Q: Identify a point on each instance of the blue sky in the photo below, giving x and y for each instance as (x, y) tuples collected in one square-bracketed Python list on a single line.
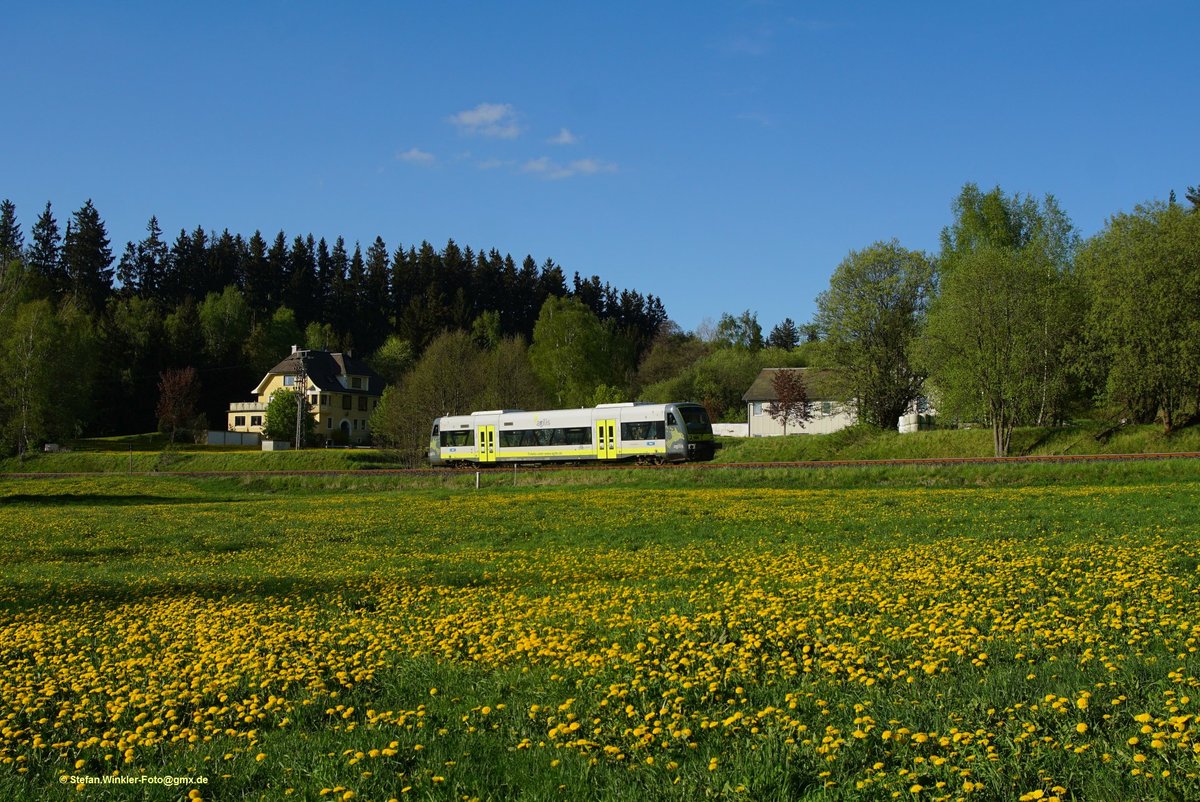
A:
[(721, 155)]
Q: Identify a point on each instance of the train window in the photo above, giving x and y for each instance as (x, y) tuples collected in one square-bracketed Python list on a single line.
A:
[(696, 419), (671, 419), (462, 437), (435, 430), (643, 430), (525, 438)]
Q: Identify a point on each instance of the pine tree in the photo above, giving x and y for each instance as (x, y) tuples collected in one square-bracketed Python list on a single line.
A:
[(12, 241), (87, 258), (255, 280), (785, 335), (143, 266), (44, 256)]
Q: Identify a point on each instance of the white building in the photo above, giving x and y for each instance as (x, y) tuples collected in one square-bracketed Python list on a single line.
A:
[(828, 415)]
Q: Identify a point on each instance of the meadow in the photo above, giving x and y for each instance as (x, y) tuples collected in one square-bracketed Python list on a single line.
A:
[(1008, 632)]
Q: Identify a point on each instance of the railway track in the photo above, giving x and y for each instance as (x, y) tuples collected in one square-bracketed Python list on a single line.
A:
[(494, 468)]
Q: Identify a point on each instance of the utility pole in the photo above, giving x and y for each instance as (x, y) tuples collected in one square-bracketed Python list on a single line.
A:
[(301, 399)]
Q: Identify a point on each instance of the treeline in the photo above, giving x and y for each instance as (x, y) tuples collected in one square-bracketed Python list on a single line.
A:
[(1018, 321), (89, 335)]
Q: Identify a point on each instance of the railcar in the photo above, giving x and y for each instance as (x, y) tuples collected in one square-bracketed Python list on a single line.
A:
[(639, 431)]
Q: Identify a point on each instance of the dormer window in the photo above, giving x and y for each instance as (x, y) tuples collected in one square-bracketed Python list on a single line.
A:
[(289, 381), (356, 383)]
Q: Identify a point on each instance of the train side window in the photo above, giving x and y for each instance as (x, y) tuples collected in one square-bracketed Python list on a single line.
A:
[(461, 437), (671, 419)]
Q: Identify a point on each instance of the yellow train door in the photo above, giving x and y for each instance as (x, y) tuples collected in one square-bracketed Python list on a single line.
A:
[(486, 437), (606, 439)]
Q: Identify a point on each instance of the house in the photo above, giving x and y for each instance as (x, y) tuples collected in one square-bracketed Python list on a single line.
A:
[(828, 414), (342, 393)]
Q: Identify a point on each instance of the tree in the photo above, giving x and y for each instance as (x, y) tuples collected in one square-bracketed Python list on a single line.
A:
[(12, 241), (998, 336), (869, 319), (785, 335), (87, 258), (48, 372), (281, 419), (44, 256), (791, 399), (570, 351), (225, 322), (742, 331), (392, 360), (1143, 276), (142, 270), (405, 414), (271, 341), (178, 395), (1193, 196)]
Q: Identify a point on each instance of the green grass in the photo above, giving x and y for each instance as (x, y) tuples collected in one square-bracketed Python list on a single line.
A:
[(777, 615), (861, 443)]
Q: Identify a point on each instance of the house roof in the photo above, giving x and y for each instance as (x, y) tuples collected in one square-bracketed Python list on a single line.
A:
[(818, 383), (323, 369)]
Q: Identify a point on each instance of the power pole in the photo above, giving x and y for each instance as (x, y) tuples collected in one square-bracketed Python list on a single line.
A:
[(301, 400)]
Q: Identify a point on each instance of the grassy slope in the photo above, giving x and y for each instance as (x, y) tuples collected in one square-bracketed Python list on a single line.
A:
[(860, 443)]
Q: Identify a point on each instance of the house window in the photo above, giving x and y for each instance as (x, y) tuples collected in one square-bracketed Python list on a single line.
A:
[(757, 408), (375, 403), (312, 400), (239, 420), (826, 407), (356, 383), (329, 423), (256, 420), (324, 399), (346, 402), (289, 381), (356, 424), (362, 403)]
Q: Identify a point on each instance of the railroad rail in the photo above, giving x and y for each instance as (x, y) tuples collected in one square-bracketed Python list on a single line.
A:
[(803, 464)]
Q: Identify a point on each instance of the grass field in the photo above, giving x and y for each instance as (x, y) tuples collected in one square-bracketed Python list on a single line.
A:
[(1008, 632)]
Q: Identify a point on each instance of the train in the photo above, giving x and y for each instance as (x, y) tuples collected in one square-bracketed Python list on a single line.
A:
[(631, 431)]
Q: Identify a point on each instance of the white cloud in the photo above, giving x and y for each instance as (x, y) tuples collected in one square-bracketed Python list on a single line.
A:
[(497, 120), (564, 137), (547, 168), (416, 156)]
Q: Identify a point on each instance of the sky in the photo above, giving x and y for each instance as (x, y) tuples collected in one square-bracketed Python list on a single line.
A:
[(723, 156)]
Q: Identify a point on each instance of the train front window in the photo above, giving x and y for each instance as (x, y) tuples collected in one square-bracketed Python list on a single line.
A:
[(696, 419)]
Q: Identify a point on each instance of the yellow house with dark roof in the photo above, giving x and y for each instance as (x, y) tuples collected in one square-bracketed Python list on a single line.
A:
[(342, 393)]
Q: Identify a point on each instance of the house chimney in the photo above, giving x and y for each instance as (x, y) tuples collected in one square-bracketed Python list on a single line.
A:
[(295, 348)]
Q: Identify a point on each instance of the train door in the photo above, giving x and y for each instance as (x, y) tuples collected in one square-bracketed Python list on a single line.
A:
[(606, 440), (485, 438)]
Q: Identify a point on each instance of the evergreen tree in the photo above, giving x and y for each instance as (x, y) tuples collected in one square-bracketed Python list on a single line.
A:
[(785, 335), (87, 258), (12, 241), (302, 281), (277, 270), (44, 257), (143, 267), (340, 308), (373, 312), (255, 280)]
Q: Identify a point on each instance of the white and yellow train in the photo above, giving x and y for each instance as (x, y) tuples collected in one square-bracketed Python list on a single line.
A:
[(630, 431)]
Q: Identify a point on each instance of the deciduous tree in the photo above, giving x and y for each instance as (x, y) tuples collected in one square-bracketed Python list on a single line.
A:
[(869, 319), (178, 396), (791, 399)]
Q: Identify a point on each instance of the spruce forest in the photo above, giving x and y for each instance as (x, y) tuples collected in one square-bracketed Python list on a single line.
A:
[(90, 334)]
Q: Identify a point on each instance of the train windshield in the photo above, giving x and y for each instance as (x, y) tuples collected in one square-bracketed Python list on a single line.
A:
[(696, 418)]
